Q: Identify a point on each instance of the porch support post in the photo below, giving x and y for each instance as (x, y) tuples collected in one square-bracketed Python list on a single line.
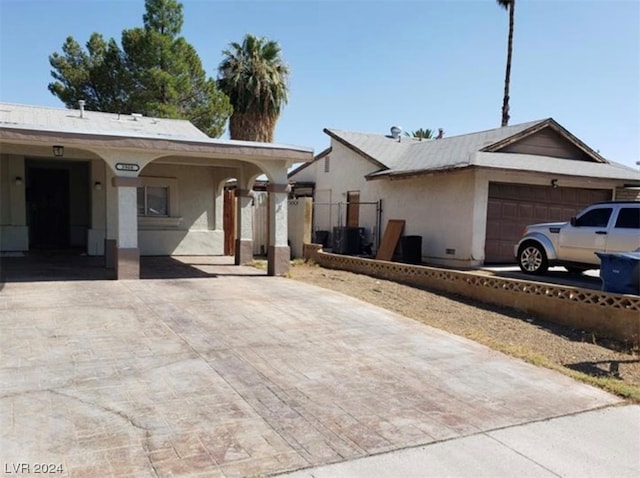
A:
[(244, 232), (279, 253), (127, 254)]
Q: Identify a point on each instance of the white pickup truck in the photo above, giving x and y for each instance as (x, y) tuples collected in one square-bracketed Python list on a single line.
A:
[(603, 227)]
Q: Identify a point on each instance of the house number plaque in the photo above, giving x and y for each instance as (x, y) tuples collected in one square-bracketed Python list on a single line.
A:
[(127, 167)]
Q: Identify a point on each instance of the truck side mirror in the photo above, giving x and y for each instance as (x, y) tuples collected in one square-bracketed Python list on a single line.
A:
[(573, 221)]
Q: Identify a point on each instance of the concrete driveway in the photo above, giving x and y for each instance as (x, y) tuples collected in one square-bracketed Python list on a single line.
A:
[(235, 374)]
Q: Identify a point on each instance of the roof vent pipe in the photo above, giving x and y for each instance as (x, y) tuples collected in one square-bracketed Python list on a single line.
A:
[(81, 103), (396, 131)]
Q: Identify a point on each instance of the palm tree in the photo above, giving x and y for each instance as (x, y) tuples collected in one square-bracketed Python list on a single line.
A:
[(421, 133), (510, 6), (254, 77)]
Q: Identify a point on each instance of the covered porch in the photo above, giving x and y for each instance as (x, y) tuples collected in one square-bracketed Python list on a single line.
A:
[(121, 187)]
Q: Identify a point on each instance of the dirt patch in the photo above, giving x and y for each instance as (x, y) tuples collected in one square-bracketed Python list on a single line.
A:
[(607, 364)]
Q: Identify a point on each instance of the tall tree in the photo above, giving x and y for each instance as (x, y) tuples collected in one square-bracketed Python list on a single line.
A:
[(254, 76), (156, 73), (508, 5)]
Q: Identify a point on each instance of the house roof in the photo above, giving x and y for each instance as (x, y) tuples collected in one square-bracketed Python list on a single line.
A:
[(62, 120), (408, 153), (528, 162), (110, 126), (409, 156)]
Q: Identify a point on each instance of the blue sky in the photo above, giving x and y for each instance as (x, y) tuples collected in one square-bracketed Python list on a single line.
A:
[(367, 65)]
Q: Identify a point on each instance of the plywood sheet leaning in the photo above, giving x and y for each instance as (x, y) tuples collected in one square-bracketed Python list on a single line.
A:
[(390, 239)]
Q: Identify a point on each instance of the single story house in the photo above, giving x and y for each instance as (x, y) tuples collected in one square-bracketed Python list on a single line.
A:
[(123, 186), (467, 196)]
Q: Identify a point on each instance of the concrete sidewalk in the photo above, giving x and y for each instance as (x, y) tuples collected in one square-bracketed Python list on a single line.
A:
[(230, 374), (600, 443)]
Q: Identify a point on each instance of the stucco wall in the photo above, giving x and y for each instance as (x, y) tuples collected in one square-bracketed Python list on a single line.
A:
[(5, 185), (14, 235), (422, 202), (346, 173), (194, 232), (438, 207), (308, 174), (299, 224), (96, 233)]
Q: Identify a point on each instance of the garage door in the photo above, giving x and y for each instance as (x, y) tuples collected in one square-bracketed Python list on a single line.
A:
[(512, 206)]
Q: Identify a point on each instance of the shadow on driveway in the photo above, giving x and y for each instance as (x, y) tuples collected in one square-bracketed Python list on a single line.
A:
[(73, 266)]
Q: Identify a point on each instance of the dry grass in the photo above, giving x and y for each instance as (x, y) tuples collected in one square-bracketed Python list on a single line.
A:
[(604, 364)]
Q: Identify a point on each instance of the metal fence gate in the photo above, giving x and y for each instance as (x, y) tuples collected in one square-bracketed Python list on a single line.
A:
[(333, 225)]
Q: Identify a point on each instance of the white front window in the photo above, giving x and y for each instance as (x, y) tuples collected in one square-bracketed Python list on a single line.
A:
[(158, 202), (153, 201)]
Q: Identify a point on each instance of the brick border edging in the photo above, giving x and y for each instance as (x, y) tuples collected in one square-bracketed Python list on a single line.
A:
[(615, 316)]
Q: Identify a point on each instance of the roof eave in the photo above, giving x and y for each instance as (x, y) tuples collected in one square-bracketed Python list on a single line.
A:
[(391, 175), (558, 128), (209, 147)]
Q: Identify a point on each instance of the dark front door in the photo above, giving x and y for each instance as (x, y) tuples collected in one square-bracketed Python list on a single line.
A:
[(48, 205)]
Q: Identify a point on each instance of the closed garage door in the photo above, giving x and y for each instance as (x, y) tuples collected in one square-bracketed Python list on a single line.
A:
[(512, 206)]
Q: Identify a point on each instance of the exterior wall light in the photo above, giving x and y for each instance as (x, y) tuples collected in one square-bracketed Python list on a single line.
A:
[(18, 181), (97, 186), (554, 183), (58, 151)]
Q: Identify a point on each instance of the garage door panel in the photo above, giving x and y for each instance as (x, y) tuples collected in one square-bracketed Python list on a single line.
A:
[(557, 212), (541, 212), (525, 211), (513, 206), (494, 208), (509, 209), (540, 195), (570, 195)]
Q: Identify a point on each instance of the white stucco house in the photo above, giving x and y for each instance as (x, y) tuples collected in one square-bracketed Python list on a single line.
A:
[(467, 196), (123, 186)]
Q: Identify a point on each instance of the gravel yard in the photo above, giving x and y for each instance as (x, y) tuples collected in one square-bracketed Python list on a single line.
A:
[(576, 353)]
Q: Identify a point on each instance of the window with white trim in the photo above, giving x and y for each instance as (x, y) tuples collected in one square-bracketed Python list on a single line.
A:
[(153, 201), (157, 202)]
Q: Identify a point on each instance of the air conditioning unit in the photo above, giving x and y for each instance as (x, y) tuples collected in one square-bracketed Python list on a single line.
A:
[(347, 240)]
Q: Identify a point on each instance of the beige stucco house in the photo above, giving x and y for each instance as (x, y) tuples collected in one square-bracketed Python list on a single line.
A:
[(468, 196), (127, 185)]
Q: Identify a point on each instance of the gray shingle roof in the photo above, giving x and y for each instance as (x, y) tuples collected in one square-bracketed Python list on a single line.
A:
[(382, 149), (454, 150), (411, 156)]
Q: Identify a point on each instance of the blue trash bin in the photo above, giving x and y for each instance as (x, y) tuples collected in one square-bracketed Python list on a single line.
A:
[(620, 272)]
